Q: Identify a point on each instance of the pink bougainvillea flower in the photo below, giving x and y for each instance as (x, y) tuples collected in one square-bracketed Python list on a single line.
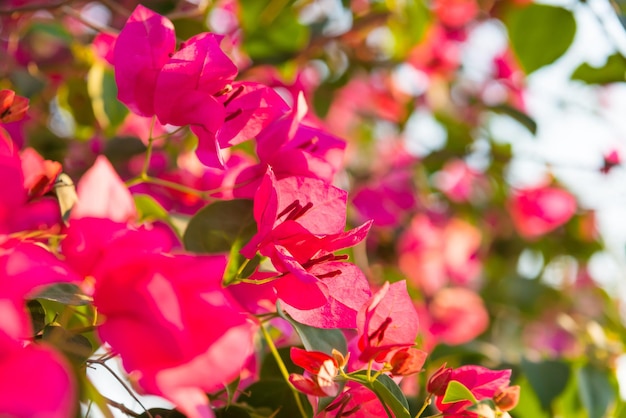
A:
[(142, 48), (433, 253), (37, 383), (250, 108), (388, 199), (292, 148), (453, 316), (439, 54), (197, 339), (537, 211), (103, 45), (387, 322), (24, 268), (102, 194), (12, 106), (482, 382), (187, 89), (300, 224), (322, 368)]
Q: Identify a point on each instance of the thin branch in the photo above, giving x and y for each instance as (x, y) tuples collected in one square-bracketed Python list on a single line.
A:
[(78, 16), (121, 407)]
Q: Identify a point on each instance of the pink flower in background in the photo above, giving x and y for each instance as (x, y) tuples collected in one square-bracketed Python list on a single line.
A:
[(455, 13), (458, 181), (433, 254), (37, 381), (537, 211), (179, 334), (611, 159), (453, 316)]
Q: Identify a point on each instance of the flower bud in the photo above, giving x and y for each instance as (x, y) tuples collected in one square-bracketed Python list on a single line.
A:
[(407, 361), (507, 398), (438, 382)]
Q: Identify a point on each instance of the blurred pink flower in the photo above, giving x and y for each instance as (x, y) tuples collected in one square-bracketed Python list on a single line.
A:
[(458, 181), (37, 381), (537, 211), (432, 254), (453, 316)]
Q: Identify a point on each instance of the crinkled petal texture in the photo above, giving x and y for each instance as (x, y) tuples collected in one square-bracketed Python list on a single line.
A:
[(178, 332), (36, 382), (103, 194), (388, 321), (142, 48)]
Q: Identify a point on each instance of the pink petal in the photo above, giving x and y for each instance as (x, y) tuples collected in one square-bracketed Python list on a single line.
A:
[(102, 194), (142, 48)]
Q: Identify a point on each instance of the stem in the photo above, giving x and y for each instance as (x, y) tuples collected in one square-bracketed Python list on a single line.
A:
[(146, 163), (121, 407), (427, 402), (283, 369), (78, 16)]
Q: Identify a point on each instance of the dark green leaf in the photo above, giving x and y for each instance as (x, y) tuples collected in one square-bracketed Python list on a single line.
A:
[(613, 71), (66, 293), (217, 226), (521, 117), (540, 34), (387, 391), (548, 379), (115, 110), (277, 397), (76, 347), (37, 315), (270, 369), (595, 389), (317, 339), (163, 413), (232, 412)]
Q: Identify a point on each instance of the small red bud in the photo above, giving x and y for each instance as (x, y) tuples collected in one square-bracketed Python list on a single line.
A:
[(438, 382), (407, 361), (507, 398)]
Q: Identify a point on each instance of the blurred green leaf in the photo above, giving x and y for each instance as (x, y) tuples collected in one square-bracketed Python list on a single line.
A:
[(37, 315), (613, 71), (595, 390), (529, 405), (539, 34), (148, 208), (548, 379), (272, 32)]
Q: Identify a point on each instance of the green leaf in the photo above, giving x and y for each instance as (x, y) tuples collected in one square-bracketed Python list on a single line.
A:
[(77, 348), (521, 117), (272, 32), (613, 71), (456, 392), (37, 315), (317, 339), (595, 390), (529, 405), (65, 293), (387, 391), (148, 208), (161, 412), (539, 34), (548, 379), (219, 225), (222, 227), (232, 412)]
